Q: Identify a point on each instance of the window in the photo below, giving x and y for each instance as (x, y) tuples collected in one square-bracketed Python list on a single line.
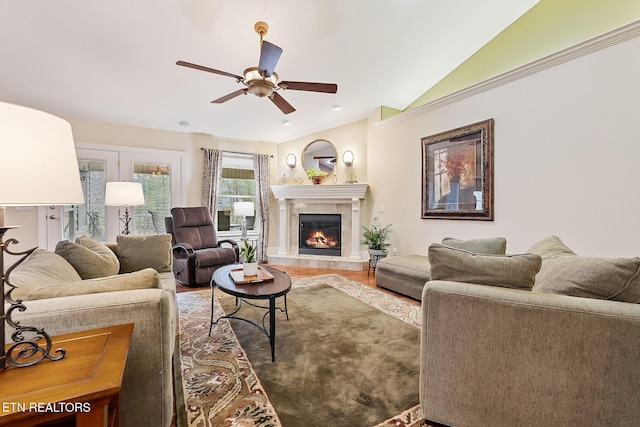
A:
[(237, 184), (156, 184)]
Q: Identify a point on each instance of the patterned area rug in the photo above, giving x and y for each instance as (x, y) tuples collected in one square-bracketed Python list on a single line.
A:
[(220, 386)]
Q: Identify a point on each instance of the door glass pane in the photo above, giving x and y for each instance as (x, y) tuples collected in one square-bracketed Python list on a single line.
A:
[(88, 219), (156, 184)]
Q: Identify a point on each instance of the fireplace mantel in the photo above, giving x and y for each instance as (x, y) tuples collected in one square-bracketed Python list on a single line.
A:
[(306, 192), (351, 194)]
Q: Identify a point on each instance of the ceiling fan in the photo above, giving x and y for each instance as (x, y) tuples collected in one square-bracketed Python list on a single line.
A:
[(262, 81)]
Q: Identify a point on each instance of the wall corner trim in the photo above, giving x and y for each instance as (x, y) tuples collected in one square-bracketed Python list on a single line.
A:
[(603, 41)]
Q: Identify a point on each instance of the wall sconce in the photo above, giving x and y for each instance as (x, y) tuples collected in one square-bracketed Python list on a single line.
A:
[(291, 160), (347, 158)]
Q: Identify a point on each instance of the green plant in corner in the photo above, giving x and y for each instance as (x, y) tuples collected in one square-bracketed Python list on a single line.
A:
[(248, 252), (376, 238)]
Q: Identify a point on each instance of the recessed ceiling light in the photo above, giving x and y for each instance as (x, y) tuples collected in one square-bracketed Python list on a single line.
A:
[(336, 107), (184, 123), (285, 122)]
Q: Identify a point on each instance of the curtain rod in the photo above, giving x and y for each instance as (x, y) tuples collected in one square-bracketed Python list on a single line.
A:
[(236, 152)]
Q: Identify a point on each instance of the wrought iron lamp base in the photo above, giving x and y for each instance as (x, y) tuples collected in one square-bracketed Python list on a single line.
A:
[(30, 344)]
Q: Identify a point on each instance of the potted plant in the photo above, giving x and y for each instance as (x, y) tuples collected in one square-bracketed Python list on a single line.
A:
[(376, 239), (316, 175), (249, 261)]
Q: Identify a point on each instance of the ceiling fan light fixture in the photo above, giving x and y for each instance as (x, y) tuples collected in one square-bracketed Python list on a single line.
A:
[(258, 84)]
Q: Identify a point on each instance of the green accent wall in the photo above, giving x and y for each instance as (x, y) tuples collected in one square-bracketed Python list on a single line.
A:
[(548, 27)]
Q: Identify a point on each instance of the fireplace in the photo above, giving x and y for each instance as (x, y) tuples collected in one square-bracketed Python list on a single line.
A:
[(320, 234)]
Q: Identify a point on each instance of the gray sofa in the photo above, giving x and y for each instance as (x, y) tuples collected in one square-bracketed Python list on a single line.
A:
[(495, 353), (143, 293), (407, 274)]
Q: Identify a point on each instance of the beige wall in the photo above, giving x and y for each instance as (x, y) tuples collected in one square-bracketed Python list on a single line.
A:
[(566, 159), (352, 137)]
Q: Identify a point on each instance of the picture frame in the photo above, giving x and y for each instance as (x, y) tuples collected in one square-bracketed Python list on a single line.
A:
[(457, 173)]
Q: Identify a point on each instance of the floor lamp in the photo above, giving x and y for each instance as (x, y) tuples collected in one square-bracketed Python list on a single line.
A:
[(123, 193), (243, 209), (38, 166)]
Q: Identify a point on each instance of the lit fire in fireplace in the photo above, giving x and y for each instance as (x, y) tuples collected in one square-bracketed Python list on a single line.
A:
[(319, 240)]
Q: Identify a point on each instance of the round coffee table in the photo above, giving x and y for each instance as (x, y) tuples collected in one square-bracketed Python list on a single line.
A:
[(270, 290)]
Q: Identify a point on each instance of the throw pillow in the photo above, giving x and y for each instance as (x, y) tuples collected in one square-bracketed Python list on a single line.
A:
[(564, 272), (90, 258), (495, 245), (508, 271), (143, 279), (39, 269), (148, 251), (550, 247)]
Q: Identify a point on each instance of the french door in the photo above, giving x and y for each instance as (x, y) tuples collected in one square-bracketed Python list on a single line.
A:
[(159, 171)]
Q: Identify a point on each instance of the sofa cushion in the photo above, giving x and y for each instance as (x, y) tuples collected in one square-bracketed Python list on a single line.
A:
[(550, 247), (143, 279), (39, 269), (90, 258), (492, 245), (144, 251), (566, 273), (508, 271)]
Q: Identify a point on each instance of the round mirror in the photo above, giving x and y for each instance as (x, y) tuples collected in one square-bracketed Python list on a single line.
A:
[(319, 154)]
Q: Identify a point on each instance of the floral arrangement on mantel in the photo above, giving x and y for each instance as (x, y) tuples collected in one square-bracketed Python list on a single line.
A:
[(316, 175)]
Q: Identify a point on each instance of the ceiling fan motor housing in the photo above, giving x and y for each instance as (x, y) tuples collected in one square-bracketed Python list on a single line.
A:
[(258, 84)]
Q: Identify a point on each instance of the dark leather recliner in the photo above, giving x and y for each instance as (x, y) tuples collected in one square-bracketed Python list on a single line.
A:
[(197, 252)]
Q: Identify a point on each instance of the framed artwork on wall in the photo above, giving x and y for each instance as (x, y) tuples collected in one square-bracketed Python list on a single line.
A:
[(457, 173)]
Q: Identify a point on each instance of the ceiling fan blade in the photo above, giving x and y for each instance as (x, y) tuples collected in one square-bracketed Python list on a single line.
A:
[(269, 55), (281, 103), (310, 87), (230, 96), (207, 69)]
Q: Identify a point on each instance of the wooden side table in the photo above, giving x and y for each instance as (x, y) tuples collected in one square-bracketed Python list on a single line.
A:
[(84, 385)]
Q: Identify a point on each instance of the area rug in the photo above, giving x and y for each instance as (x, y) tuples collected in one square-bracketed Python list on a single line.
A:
[(220, 384)]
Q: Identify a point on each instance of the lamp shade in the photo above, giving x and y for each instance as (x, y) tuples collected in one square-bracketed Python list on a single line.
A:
[(123, 193), (291, 160), (38, 163), (348, 157), (243, 208)]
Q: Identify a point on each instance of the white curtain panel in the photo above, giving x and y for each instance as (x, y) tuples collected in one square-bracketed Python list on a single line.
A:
[(261, 171), (212, 171)]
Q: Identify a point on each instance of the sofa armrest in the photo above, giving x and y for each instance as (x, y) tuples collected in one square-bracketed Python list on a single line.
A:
[(147, 392), (503, 357)]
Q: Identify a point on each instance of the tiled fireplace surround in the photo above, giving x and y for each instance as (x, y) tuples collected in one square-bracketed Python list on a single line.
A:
[(344, 199)]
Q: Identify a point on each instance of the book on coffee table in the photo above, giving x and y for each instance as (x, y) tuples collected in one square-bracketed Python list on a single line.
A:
[(237, 274)]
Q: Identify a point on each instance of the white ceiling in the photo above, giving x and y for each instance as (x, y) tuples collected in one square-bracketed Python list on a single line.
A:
[(114, 61)]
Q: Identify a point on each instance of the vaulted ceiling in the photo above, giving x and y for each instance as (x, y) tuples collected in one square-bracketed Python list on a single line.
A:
[(115, 61)]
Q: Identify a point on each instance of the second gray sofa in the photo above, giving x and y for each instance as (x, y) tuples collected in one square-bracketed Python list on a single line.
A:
[(407, 274)]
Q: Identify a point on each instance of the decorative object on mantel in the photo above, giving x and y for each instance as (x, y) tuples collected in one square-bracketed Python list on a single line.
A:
[(316, 175), (376, 238), (249, 261), (457, 173), (37, 147)]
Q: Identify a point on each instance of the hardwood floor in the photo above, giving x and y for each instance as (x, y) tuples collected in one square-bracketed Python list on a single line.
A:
[(299, 272)]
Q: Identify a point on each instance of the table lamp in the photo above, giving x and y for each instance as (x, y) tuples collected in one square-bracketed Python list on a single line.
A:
[(38, 166), (123, 193), (243, 209)]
